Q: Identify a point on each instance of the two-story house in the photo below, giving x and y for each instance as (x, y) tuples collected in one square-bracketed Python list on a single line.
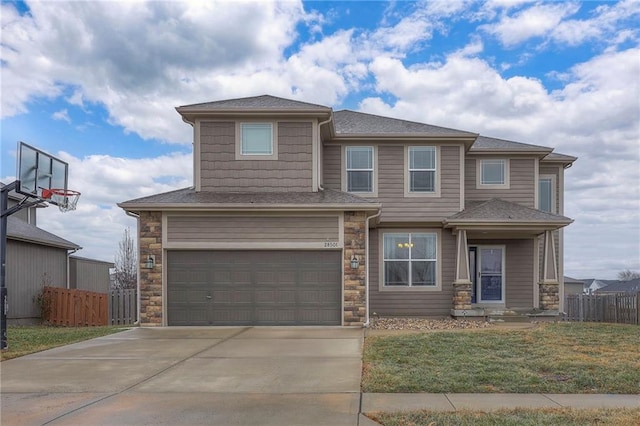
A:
[(301, 215)]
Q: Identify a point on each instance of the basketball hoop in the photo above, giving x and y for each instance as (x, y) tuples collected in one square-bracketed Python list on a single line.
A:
[(65, 199)]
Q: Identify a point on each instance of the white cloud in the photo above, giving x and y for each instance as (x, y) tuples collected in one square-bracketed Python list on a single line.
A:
[(535, 21), (62, 115)]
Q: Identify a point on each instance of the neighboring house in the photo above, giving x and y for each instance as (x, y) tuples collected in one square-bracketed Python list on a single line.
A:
[(89, 274), (37, 258), (615, 286), (592, 285), (301, 215), (573, 286)]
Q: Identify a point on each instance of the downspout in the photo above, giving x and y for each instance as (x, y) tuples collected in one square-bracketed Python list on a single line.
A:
[(69, 267), (366, 254), (319, 160), (137, 217)]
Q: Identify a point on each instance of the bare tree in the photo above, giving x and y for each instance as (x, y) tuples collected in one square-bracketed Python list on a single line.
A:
[(628, 275), (126, 264)]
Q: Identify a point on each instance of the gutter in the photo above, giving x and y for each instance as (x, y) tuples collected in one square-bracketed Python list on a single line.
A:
[(319, 160), (69, 267), (366, 255)]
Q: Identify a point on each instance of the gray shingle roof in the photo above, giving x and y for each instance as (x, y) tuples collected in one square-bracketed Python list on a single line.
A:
[(188, 196), (486, 143), (498, 210), (18, 229), (631, 286), (348, 122), (556, 156), (258, 103), (569, 280)]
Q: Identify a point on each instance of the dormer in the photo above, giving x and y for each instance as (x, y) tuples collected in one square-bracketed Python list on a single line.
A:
[(256, 144)]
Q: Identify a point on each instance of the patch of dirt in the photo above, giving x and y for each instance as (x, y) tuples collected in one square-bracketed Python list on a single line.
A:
[(426, 324)]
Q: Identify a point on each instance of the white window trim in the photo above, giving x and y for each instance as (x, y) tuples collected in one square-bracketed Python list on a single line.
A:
[(407, 175), (553, 191), (274, 139), (437, 287), (507, 174), (374, 183)]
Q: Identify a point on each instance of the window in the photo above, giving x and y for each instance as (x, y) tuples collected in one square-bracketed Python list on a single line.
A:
[(359, 169), (256, 139), (410, 259), (545, 194), (422, 169), (493, 173)]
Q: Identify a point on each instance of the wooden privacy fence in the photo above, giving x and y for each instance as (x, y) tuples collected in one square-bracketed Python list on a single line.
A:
[(617, 308), (74, 308), (123, 305)]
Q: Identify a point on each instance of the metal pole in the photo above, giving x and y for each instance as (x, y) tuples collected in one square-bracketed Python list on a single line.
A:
[(4, 205)]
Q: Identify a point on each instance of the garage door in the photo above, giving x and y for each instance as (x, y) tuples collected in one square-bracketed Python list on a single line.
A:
[(254, 287)]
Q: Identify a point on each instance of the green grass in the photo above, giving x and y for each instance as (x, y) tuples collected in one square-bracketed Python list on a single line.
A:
[(520, 417), (551, 358), (24, 340)]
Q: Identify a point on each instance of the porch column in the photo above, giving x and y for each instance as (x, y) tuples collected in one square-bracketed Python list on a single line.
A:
[(549, 285), (462, 284)]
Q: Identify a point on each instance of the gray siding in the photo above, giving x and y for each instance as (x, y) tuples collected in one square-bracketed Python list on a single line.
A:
[(391, 175), (88, 274), (28, 215), (518, 270), (221, 172), (331, 167), (252, 228), (522, 182), (412, 303), (29, 268)]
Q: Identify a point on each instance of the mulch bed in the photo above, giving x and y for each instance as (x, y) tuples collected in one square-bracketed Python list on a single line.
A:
[(426, 324)]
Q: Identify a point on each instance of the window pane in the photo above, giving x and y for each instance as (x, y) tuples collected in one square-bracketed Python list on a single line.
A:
[(423, 273), (422, 157), (257, 138), (422, 181), (396, 273), (544, 195), (359, 181), (359, 157), (396, 246), (424, 246), (493, 172)]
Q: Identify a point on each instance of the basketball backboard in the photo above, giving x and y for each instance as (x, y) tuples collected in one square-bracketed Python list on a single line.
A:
[(38, 171)]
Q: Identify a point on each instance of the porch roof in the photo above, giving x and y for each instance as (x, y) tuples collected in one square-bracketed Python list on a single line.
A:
[(500, 215)]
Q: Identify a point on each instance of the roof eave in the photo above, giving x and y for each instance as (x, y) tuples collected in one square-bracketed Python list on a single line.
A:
[(338, 137), (176, 207), (494, 151), (44, 243), (262, 112), (532, 225)]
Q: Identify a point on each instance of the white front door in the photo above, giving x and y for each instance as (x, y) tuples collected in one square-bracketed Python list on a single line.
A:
[(488, 273)]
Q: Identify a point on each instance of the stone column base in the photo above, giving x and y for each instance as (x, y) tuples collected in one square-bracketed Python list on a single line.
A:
[(462, 295), (549, 296)]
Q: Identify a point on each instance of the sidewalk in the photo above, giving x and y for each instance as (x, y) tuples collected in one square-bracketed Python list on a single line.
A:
[(391, 402)]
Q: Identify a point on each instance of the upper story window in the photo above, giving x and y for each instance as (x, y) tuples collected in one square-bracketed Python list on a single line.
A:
[(410, 260), (256, 141), (359, 164), (546, 193), (493, 173), (422, 169)]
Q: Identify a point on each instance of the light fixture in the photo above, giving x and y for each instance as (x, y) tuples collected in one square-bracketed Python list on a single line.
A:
[(354, 262), (151, 262)]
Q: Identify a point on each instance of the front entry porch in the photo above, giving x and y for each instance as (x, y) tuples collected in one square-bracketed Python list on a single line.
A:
[(506, 261)]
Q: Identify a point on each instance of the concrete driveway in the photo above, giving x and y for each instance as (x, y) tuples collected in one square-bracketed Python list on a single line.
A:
[(186, 376)]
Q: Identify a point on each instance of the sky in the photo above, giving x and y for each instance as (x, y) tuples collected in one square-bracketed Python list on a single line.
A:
[(96, 84)]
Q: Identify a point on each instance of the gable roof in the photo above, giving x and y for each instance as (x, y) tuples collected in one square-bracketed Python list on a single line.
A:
[(505, 214), (615, 286), (569, 280), (18, 229), (188, 198), (352, 123)]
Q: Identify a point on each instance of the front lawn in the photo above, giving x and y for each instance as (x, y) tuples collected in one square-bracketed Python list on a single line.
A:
[(521, 417), (550, 358), (24, 340)]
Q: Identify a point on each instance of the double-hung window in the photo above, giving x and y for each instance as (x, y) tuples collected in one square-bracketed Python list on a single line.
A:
[(422, 169), (359, 168), (256, 140), (545, 194), (493, 173), (410, 259)]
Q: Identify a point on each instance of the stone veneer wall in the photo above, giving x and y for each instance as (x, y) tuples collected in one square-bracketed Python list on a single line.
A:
[(150, 243), (354, 279), (549, 296)]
